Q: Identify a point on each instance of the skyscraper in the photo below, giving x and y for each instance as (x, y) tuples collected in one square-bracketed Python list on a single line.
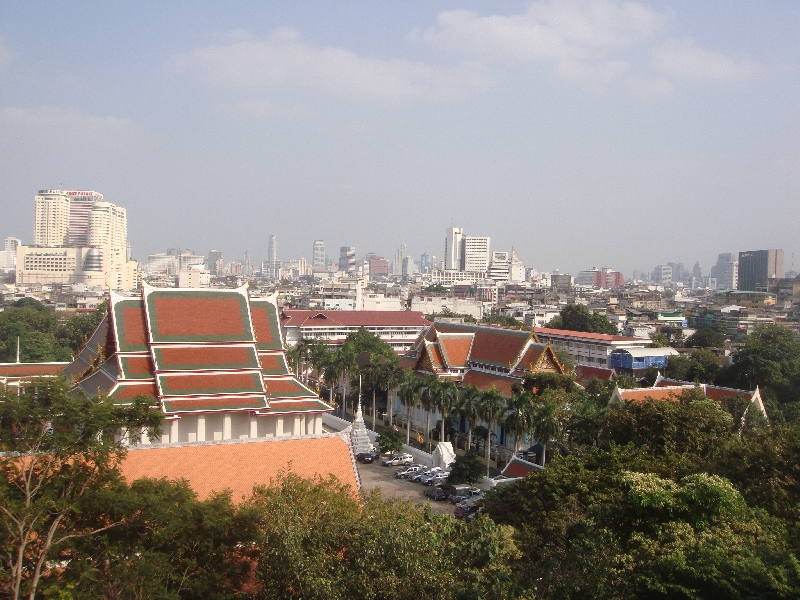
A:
[(318, 256), (272, 256), (10, 247), (399, 257), (51, 220), (213, 257), (475, 256), (80, 209), (757, 267), (453, 248), (347, 259)]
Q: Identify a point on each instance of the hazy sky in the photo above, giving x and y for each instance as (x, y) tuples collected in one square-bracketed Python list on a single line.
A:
[(582, 133)]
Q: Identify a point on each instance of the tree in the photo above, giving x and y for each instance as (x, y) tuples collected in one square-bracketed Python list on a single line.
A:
[(58, 451), (466, 469), (431, 387), (700, 366), (470, 402), (548, 418), (576, 317), (491, 406), (409, 391), (445, 399), (520, 415), (658, 340), (389, 439), (706, 338), (770, 359)]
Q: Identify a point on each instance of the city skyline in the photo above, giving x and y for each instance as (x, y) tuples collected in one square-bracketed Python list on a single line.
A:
[(580, 133)]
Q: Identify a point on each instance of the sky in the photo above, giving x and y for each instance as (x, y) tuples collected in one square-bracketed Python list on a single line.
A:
[(619, 134)]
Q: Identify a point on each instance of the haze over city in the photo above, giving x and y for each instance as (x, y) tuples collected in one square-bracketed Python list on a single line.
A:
[(582, 134)]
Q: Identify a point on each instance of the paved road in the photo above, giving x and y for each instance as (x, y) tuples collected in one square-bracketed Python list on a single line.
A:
[(376, 476)]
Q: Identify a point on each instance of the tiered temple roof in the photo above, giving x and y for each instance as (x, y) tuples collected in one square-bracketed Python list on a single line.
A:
[(195, 351), (481, 355)]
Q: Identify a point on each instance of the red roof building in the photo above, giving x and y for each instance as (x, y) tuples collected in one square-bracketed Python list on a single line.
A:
[(213, 360)]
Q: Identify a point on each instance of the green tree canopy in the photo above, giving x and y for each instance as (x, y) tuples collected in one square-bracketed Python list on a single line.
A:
[(706, 338), (576, 317)]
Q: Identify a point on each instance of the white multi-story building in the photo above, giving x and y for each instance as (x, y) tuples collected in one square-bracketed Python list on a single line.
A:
[(10, 248), (730, 276), (475, 254), (500, 267), (453, 248), (516, 271), (318, 259), (80, 209), (51, 219)]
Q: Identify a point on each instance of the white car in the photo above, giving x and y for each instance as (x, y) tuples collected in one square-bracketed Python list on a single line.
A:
[(397, 460)]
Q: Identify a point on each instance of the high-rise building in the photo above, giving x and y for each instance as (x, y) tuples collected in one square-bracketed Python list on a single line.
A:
[(718, 270), (757, 267), (500, 267), (213, 257), (517, 268), (318, 260), (453, 248), (409, 268), (378, 267), (247, 267), (272, 256), (399, 257), (51, 219), (475, 254), (425, 263), (80, 209), (730, 276), (347, 259), (662, 275), (10, 246)]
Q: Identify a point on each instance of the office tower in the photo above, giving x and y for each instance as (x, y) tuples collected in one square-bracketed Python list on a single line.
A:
[(51, 219), (424, 263), (378, 267), (730, 276), (272, 256), (10, 246), (453, 248), (475, 253), (80, 209), (662, 275), (517, 269), (757, 267), (318, 259), (247, 268), (408, 266), (499, 268), (697, 271), (718, 270), (399, 257), (213, 257), (347, 259)]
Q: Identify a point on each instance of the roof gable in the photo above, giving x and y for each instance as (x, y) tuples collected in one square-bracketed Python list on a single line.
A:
[(264, 314)]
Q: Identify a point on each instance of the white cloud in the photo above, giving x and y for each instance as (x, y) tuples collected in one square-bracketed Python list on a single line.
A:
[(682, 58), (577, 37), (284, 59), (71, 126)]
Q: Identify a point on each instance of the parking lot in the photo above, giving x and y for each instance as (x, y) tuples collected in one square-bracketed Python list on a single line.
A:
[(375, 476)]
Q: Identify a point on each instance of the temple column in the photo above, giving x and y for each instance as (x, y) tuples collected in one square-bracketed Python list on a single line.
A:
[(279, 426), (145, 435), (173, 431), (226, 426), (201, 428), (296, 426), (253, 427)]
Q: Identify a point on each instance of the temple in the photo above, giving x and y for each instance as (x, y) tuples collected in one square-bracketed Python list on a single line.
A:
[(212, 360), (480, 355)]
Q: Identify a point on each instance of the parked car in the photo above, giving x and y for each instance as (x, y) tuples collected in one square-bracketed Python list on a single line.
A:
[(417, 478), (459, 493), (466, 508), (365, 457), (436, 493), (397, 459), (437, 478), (408, 471)]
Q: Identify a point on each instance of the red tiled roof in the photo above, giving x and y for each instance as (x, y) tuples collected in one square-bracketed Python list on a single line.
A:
[(592, 336), (273, 364), (278, 406), (206, 403), (643, 394), (585, 373), (181, 316), (718, 393), (435, 356), (286, 388), (491, 345), (187, 358), (126, 391), (531, 355), (31, 369), (131, 324), (265, 324), (518, 468), (136, 367), (239, 466), (353, 318), (225, 382), (485, 381), (455, 350)]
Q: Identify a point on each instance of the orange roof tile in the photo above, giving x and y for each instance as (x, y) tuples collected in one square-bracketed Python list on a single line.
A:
[(126, 391), (225, 382), (519, 468), (186, 358), (591, 336), (585, 373), (31, 369), (485, 381), (455, 349), (643, 394), (239, 466)]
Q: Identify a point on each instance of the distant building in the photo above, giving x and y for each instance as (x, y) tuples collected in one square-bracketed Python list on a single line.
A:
[(516, 269), (10, 248), (453, 249), (662, 275), (318, 260), (399, 257), (425, 264), (214, 257), (561, 283), (500, 267), (475, 254), (347, 259), (757, 267), (378, 267)]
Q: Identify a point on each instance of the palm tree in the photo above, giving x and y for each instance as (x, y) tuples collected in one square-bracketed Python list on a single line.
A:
[(393, 378), (446, 401), (430, 390), (547, 419), (332, 373), (470, 400), (519, 419), (409, 391), (492, 404)]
